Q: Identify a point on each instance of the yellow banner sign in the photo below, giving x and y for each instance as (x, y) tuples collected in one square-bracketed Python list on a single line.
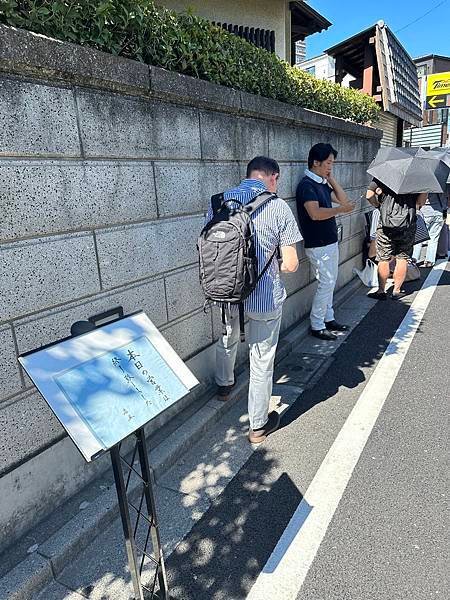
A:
[(438, 84)]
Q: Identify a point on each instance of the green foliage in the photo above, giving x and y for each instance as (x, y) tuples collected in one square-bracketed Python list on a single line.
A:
[(184, 43)]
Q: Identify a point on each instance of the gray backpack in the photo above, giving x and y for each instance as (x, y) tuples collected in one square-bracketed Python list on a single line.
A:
[(227, 254), (395, 212)]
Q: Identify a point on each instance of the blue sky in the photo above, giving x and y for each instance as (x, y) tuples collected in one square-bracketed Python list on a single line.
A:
[(430, 35)]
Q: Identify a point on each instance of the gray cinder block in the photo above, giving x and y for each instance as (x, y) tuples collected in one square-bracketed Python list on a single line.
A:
[(44, 272), (37, 120), (136, 251), (128, 127), (43, 197)]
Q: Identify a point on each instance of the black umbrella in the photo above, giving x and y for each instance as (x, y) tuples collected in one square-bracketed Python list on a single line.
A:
[(406, 171), (442, 164), (390, 153), (443, 154)]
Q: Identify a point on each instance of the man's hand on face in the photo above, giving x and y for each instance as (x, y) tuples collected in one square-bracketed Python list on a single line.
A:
[(332, 181)]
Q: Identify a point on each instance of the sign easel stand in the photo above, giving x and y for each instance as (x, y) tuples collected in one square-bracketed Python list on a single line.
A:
[(144, 513)]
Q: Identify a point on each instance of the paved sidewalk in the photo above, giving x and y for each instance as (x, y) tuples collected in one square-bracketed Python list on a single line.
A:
[(188, 490)]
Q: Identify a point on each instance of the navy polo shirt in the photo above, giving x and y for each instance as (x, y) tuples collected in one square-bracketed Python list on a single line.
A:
[(315, 233)]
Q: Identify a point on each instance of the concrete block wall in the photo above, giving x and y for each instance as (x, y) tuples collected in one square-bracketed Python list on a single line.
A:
[(106, 169)]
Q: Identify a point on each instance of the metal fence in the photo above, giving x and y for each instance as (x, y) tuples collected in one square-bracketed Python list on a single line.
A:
[(261, 38)]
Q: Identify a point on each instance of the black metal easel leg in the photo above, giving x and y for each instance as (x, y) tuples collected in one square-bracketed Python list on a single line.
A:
[(149, 480), (126, 522)]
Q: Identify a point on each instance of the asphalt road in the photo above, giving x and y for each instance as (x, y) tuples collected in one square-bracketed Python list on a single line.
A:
[(387, 537)]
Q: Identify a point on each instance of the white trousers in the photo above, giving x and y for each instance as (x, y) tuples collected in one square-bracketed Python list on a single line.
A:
[(434, 223), (325, 261), (263, 334)]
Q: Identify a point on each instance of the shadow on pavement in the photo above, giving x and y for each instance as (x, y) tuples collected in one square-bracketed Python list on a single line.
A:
[(220, 559), (363, 348), (227, 548)]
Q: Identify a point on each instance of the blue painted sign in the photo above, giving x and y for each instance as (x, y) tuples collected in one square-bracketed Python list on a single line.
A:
[(105, 384), (121, 389)]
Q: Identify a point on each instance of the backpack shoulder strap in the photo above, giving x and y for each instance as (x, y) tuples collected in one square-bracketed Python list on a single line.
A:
[(258, 201), (216, 203), (276, 252)]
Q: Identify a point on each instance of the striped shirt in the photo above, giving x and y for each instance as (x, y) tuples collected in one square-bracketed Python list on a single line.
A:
[(275, 226)]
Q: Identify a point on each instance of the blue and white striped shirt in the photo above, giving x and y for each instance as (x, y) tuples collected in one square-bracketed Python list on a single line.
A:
[(275, 225)]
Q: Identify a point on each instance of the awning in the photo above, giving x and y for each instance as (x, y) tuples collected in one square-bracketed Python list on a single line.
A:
[(306, 21)]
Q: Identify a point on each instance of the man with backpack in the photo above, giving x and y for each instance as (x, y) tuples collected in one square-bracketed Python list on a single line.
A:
[(395, 234), (249, 237)]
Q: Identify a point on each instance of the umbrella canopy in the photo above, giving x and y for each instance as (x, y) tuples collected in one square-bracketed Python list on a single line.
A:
[(444, 155), (407, 170), (390, 153)]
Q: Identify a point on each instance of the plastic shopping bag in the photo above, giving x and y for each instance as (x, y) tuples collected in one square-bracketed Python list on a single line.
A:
[(368, 275)]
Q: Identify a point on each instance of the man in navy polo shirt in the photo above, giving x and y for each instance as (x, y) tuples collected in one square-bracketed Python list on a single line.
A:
[(316, 193)]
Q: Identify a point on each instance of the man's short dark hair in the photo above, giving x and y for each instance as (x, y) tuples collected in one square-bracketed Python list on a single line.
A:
[(320, 152), (264, 164)]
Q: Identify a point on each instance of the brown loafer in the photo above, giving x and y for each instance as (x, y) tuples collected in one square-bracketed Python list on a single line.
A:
[(257, 436)]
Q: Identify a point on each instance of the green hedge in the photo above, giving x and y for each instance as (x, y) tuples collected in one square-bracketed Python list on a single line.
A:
[(184, 43)]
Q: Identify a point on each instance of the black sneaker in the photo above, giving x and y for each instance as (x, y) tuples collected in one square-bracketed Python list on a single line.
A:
[(323, 334), (335, 326), (257, 436), (224, 391), (377, 295), (398, 295)]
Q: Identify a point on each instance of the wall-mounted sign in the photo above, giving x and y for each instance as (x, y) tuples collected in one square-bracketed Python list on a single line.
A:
[(438, 91), (105, 384)]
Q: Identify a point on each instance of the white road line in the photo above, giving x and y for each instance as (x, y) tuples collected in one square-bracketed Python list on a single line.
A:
[(284, 573)]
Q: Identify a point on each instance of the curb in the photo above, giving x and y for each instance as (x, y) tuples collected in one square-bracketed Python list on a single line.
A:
[(33, 573)]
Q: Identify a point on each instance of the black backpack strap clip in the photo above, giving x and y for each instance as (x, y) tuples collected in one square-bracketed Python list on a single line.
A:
[(224, 319), (241, 321), (276, 252)]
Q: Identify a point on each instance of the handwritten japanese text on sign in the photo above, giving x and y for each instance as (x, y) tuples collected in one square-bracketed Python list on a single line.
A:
[(115, 393)]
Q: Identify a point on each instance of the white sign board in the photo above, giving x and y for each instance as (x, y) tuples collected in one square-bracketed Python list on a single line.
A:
[(105, 384)]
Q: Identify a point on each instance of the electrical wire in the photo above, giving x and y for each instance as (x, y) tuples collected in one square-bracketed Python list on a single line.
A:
[(422, 16)]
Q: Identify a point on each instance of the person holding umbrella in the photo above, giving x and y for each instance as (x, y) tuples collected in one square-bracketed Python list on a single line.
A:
[(395, 234), (401, 180)]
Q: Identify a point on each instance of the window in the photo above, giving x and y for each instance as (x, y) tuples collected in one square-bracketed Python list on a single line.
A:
[(311, 70)]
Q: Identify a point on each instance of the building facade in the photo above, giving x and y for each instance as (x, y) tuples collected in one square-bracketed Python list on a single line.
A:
[(435, 127), (286, 23), (300, 52), (382, 68), (324, 67)]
